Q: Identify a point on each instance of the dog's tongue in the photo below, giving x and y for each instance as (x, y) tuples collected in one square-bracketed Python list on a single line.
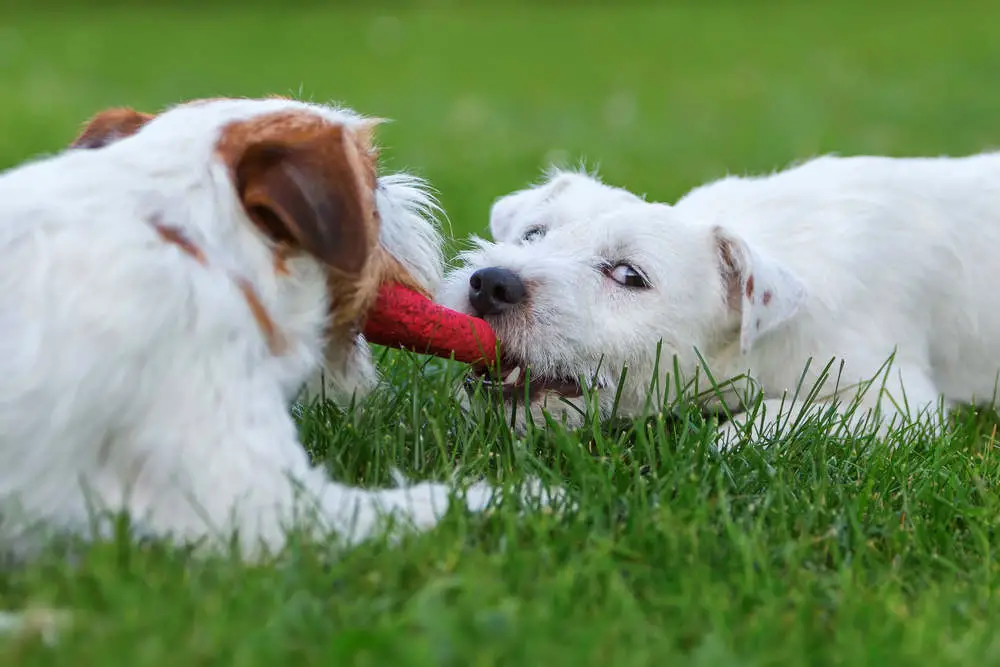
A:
[(406, 319)]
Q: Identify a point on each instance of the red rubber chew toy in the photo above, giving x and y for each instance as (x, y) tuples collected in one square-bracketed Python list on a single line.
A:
[(407, 319)]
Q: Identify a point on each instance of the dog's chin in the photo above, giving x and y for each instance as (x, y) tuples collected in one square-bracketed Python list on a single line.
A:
[(520, 390), (517, 380)]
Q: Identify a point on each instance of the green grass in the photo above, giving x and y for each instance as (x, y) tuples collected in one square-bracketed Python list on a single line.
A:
[(810, 552)]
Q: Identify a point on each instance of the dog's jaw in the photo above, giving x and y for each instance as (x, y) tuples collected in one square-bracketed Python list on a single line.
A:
[(564, 397)]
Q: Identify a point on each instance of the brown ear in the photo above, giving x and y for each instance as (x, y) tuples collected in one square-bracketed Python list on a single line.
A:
[(109, 126), (312, 190)]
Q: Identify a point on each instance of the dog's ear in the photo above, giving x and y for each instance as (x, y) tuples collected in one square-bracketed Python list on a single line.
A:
[(312, 189), (506, 209), (109, 126), (502, 213), (763, 291)]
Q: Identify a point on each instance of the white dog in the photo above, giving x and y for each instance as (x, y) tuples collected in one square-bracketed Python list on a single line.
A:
[(857, 261), (166, 288)]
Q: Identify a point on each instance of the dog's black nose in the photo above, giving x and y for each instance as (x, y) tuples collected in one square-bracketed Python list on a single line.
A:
[(493, 290)]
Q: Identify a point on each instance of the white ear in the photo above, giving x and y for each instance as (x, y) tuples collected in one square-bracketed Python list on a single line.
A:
[(502, 215), (766, 292), (509, 208)]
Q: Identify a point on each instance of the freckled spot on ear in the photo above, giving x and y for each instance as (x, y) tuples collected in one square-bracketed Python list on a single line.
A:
[(767, 297), (750, 287), (730, 273)]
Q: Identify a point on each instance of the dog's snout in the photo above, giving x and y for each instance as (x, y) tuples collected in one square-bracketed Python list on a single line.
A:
[(494, 290)]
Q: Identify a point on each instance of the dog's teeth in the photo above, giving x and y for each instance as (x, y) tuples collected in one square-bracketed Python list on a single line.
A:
[(513, 376)]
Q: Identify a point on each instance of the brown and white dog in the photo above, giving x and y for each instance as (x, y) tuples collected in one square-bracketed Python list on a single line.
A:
[(167, 287)]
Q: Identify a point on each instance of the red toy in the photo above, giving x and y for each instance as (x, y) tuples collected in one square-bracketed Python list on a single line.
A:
[(407, 319)]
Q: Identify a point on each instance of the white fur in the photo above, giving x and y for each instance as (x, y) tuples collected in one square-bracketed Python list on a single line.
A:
[(864, 259), (563, 197), (133, 378)]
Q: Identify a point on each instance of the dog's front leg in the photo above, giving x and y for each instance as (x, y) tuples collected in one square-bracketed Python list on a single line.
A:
[(235, 465), (261, 500), (361, 513)]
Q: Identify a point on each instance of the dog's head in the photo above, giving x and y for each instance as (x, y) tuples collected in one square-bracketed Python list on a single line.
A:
[(627, 292), (296, 208)]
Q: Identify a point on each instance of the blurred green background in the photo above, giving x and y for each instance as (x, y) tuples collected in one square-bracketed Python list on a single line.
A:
[(827, 556), (484, 95)]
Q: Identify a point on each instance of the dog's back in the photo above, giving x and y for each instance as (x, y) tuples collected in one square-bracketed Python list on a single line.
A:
[(897, 252)]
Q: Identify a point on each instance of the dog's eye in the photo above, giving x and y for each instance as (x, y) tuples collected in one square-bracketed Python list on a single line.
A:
[(627, 275), (533, 234)]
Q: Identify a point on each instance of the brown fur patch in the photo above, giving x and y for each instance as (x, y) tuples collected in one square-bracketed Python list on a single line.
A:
[(309, 186), (109, 126), (268, 328), (176, 236), (750, 287), (730, 273), (364, 136), (281, 255), (275, 342), (305, 183)]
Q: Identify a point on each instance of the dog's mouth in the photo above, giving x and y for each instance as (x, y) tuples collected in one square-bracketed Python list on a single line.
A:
[(514, 379)]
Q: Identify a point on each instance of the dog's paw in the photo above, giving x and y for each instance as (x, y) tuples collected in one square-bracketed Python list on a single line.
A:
[(422, 506), (419, 505), (533, 493)]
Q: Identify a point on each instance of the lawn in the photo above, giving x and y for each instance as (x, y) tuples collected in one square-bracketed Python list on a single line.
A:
[(809, 552)]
